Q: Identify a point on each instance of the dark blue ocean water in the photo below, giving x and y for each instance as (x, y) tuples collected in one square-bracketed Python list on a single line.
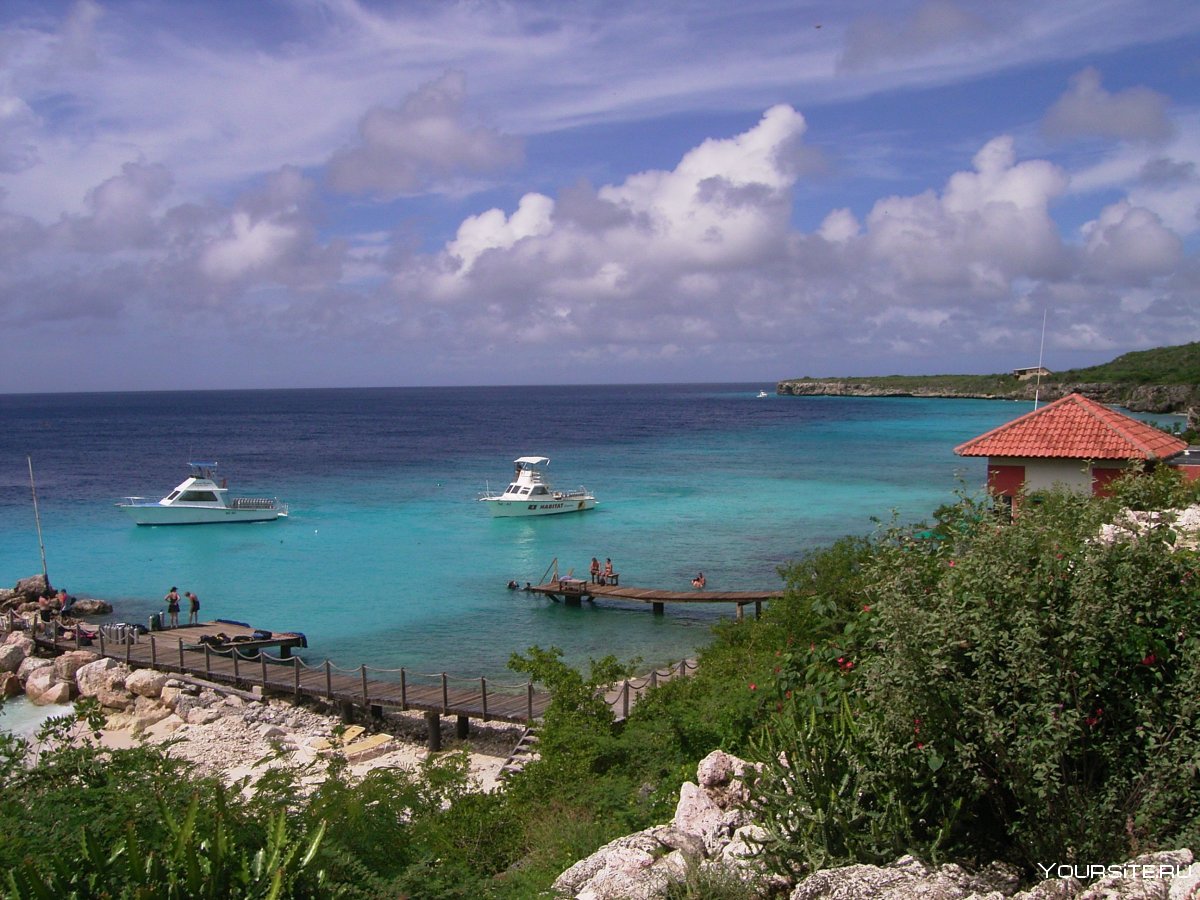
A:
[(386, 558)]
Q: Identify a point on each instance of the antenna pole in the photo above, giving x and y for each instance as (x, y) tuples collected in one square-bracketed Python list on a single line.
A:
[(1038, 385), (38, 518)]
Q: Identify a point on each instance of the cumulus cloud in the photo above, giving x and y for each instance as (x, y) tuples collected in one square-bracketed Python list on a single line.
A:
[(1130, 244), (1088, 110), (428, 137), (986, 228), (121, 211)]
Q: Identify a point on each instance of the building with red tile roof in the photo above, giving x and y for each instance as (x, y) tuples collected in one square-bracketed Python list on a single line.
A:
[(1073, 442)]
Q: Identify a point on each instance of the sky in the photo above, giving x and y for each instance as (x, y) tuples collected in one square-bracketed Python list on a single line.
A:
[(337, 193)]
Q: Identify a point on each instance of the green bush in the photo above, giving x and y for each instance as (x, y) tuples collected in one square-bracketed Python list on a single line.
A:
[(1022, 692)]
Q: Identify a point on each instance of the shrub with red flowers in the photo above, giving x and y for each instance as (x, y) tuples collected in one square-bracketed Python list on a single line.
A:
[(1034, 701)]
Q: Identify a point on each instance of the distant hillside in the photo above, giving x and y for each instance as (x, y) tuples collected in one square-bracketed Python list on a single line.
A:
[(1163, 365), (1163, 380)]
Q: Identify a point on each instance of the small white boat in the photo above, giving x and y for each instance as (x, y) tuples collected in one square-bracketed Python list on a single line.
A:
[(200, 500), (529, 494), (762, 394)]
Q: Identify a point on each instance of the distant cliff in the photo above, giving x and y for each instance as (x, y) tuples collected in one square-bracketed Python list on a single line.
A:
[(1161, 380), (1153, 398)]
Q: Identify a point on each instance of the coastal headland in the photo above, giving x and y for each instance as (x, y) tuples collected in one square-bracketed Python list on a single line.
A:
[(1162, 380)]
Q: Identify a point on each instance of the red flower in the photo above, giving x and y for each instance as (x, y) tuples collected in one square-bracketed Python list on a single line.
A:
[(1149, 659), (866, 607), (753, 686)]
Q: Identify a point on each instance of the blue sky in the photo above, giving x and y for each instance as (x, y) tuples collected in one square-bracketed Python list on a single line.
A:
[(295, 193)]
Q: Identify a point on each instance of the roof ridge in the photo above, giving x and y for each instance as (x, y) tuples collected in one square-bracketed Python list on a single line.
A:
[(1116, 425)]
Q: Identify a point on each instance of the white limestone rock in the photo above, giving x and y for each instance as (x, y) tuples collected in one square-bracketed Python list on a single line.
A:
[(66, 665), (146, 683), (31, 664), (11, 657), (20, 639), (104, 679), (57, 692)]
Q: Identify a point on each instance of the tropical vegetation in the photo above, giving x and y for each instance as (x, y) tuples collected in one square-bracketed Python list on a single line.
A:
[(964, 689)]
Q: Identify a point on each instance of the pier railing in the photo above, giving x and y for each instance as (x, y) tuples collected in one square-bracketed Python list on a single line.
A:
[(372, 688)]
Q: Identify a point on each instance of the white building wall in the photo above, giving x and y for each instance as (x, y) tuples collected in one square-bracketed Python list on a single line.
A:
[(1075, 474)]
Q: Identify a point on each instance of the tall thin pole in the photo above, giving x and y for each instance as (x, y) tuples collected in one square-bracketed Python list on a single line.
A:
[(1038, 386), (38, 518)]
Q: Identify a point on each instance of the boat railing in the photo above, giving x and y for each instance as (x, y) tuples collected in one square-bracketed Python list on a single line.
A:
[(256, 503)]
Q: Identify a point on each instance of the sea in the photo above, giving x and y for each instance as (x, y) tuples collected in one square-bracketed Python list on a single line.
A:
[(388, 560)]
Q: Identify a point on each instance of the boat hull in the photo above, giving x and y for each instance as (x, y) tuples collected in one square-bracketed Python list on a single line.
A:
[(156, 514), (547, 507)]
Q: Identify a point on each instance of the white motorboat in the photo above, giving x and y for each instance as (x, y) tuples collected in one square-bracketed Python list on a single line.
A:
[(200, 500), (762, 394), (530, 494)]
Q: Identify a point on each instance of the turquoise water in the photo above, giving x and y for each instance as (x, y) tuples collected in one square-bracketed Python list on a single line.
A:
[(388, 560)]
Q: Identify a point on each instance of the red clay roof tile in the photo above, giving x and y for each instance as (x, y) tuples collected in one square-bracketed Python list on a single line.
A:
[(1074, 427)]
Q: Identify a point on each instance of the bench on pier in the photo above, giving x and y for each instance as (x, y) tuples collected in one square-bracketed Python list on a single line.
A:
[(613, 579)]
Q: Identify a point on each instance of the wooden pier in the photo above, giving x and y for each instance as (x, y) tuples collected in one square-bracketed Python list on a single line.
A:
[(247, 665), (575, 590)]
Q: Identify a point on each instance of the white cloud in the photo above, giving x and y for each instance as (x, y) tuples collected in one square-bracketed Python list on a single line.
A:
[(1087, 110), (492, 231), (1128, 243), (427, 138), (988, 227)]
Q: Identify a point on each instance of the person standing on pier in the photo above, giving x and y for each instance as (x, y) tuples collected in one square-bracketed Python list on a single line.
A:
[(193, 608), (172, 601)]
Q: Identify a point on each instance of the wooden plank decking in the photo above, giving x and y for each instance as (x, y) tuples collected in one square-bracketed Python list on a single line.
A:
[(573, 590), (247, 665)]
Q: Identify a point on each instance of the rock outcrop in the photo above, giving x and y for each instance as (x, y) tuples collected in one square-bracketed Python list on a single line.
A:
[(711, 830)]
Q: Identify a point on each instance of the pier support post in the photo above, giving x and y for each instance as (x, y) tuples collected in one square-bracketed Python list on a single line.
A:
[(462, 727), (434, 721), (659, 607), (741, 614), (758, 609)]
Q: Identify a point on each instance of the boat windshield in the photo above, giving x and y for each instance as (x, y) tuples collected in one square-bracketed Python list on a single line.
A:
[(199, 496)]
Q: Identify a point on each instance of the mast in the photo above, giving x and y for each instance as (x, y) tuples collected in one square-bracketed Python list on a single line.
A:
[(1038, 385), (38, 518)]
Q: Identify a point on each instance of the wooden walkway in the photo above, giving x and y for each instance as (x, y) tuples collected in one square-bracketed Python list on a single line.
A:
[(245, 667), (574, 590)]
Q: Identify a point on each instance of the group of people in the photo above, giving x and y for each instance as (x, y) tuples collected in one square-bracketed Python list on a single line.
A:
[(50, 605), (172, 601), (699, 581), (601, 576)]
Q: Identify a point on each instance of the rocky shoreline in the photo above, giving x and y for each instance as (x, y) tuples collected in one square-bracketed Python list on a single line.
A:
[(223, 731), (1181, 399)]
